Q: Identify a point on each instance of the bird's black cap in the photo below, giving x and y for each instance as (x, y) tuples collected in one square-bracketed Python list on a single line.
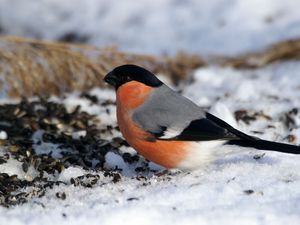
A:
[(126, 73)]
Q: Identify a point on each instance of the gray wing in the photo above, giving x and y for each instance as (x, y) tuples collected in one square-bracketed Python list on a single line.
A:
[(170, 116)]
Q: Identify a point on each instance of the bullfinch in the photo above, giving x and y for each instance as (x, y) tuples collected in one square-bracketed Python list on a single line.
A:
[(169, 129)]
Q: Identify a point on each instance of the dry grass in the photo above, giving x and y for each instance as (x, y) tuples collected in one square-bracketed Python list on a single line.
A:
[(278, 52), (36, 68), (30, 67)]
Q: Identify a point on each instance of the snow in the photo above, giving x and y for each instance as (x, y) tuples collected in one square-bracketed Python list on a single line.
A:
[(113, 160), (79, 134), (3, 135), (43, 147), (70, 172), (248, 187), (15, 167), (208, 26)]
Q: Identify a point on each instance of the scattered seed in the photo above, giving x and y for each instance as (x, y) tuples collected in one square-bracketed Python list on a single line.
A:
[(25, 166), (133, 199), (2, 160), (248, 192), (248, 117), (114, 174), (291, 138), (259, 156), (61, 195)]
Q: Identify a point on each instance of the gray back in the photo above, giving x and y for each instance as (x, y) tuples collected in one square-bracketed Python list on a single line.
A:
[(166, 108)]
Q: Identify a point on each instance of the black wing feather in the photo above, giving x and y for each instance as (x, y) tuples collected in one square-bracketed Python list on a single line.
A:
[(229, 128), (206, 129)]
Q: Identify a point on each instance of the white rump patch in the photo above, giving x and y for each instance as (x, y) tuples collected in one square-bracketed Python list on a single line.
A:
[(201, 154)]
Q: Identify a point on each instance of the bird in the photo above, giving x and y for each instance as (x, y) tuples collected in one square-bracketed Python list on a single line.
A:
[(171, 130)]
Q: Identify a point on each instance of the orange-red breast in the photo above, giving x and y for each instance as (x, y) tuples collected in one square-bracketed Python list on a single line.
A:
[(169, 129)]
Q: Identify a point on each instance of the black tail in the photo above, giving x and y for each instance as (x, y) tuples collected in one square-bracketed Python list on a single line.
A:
[(267, 145), (245, 140)]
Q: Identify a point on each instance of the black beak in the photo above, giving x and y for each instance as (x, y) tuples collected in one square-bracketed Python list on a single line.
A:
[(111, 79)]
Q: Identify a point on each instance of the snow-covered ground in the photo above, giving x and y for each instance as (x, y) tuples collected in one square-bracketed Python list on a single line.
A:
[(249, 187), (245, 188), (154, 26)]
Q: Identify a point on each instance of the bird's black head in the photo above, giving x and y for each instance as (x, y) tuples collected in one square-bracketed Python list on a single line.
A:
[(126, 73)]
